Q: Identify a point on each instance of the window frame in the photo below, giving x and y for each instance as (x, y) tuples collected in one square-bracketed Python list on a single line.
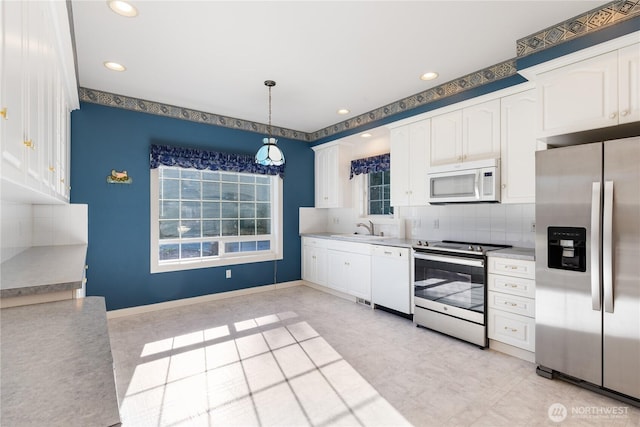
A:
[(227, 259)]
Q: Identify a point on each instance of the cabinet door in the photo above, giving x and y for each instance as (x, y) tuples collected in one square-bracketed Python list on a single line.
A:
[(418, 161), (481, 131), (400, 159), (338, 267), (314, 267), (446, 138), (359, 275), (518, 147), (579, 96), (629, 83), (322, 199), (331, 171), (11, 92)]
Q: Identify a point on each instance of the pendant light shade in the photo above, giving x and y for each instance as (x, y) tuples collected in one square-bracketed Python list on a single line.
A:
[(270, 154)]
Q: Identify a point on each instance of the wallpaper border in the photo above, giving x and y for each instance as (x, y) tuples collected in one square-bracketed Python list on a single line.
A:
[(605, 16)]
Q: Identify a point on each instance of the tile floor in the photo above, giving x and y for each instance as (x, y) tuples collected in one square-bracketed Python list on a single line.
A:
[(298, 356)]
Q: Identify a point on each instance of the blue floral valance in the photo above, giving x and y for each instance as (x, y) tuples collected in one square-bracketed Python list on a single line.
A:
[(381, 163), (197, 158)]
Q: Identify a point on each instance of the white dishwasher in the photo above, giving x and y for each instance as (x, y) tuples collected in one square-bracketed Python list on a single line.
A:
[(391, 278)]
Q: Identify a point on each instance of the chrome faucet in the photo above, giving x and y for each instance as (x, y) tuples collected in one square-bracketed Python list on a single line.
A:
[(368, 227)]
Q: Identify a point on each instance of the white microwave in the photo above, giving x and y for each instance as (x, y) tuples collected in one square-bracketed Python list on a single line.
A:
[(469, 182)]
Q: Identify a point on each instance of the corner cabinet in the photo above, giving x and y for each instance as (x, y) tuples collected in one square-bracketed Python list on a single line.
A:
[(332, 167), (518, 147), (591, 89), (472, 133), (38, 90), (314, 260), (409, 157), (339, 265)]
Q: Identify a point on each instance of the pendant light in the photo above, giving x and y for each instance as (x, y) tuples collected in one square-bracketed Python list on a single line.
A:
[(269, 154)]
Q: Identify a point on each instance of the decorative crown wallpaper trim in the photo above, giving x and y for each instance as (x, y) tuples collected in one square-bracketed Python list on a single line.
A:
[(129, 103), (478, 78), (610, 14), (605, 16)]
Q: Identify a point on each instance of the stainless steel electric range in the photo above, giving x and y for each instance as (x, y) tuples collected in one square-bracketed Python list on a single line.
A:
[(450, 288)]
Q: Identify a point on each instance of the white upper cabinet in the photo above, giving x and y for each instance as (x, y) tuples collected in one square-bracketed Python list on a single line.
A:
[(409, 164), (518, 147), (629, 83), (38, 91), (481, 131), (446, 138), (332, 167), (579, 96), (590, 89), (471, 133)]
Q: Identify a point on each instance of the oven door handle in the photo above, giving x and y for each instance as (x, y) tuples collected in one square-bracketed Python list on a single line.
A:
[(451, 259)]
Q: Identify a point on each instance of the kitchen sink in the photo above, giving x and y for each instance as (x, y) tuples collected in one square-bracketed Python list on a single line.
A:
[(359, 236)]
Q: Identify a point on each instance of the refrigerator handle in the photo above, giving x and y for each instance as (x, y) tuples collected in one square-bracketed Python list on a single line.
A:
[(595, 247), (607, 247)]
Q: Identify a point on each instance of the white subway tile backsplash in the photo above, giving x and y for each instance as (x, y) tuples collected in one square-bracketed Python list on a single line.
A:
[(484, 223)]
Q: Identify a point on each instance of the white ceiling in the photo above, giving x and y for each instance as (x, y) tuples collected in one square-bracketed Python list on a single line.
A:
[(214, 56)]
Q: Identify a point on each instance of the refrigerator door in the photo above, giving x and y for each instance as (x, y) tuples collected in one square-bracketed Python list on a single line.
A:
[(621, 267), (568, 316)]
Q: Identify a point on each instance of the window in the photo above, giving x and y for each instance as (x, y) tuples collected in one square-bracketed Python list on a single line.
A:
[(379, 191), (204, 218)]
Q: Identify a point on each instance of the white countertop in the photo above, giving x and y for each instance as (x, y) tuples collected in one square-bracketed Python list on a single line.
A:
[(43, 269), (528, 254), (56, 365), (362, 238)]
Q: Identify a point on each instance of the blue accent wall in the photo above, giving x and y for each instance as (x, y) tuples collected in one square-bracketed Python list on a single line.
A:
[(105, 138)]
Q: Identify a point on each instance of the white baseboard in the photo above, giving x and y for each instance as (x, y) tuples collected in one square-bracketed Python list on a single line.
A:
[(512, 351), (197, 300), (329, 290)]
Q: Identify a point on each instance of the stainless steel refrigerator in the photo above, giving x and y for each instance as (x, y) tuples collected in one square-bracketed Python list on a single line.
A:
[(588, 265)]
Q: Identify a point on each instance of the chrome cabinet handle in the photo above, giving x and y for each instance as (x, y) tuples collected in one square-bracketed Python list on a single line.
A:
[(607, 247), (595, 246), (506, 328), (612, 115), (624, 113), (511, 304)]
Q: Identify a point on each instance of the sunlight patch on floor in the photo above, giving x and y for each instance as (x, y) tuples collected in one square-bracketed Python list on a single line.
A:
[(229, 375)]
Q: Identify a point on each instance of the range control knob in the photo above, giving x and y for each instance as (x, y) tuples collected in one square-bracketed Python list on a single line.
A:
[(419, 242), (478, 248)]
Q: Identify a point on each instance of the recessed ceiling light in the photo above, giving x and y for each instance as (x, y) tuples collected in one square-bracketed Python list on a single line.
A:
[(114, 66), (429, 76), (123, 8), (343, 111), (366, 135)]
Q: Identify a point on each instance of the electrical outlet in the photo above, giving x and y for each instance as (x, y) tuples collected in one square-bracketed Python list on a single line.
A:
[(436, 224), (228, 274), (532, 227)]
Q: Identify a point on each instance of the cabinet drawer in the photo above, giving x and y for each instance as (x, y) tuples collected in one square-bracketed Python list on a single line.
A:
[(355, 248), (512, 285), (512, 303), (512, 329), (512, 267), (312, 241)]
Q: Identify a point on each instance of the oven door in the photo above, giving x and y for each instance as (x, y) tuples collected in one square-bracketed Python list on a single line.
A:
[(451, 285)]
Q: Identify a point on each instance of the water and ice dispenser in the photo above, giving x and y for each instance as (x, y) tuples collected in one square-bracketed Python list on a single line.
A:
[(567, 248)]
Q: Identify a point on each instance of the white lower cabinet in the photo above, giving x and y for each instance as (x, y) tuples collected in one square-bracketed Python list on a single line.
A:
[(314, 260), (511, 306), (339, 265)]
